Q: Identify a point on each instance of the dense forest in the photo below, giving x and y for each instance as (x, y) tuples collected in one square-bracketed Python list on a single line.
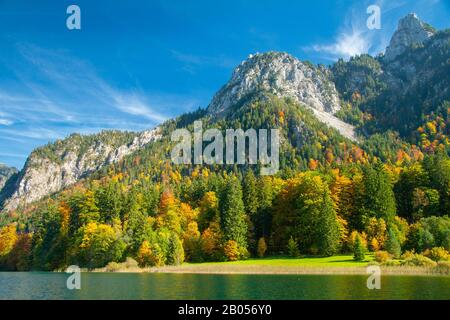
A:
[(387, 193), (331, 196)]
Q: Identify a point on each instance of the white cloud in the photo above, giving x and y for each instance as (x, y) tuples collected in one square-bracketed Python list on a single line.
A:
[(346, 45), (5, 122), (134, 105), (355, 38)]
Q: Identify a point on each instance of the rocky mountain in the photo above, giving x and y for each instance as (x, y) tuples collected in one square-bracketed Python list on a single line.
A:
[(282, 75), (317, 108), (5, 173), (405, 85), (411, 31), (58, 165)]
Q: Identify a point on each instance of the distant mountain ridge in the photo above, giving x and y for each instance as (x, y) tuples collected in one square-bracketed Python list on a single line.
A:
[(5, 173), (53, 167), (405, 85)]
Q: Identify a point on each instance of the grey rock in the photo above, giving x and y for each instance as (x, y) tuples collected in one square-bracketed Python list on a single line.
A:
[(283, 76), (42, 176), (411, 31), (5, 173)]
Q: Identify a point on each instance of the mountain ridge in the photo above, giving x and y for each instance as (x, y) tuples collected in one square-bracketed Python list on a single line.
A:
[(51, 168), (368, 86)]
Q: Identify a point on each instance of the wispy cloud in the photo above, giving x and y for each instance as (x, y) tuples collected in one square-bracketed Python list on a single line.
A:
[(5, 122), (346, 45), (354, 37), (134, 105), (52, 94), (13, 155), (79, 79)]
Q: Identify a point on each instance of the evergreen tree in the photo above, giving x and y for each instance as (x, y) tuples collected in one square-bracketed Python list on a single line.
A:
[(292, 248), (232, 215), (378, 198), (250, 193), (410, 179), (88, 210), (392, 244), (438, 168), (316, 226), (327, 227), (359, 249), (109, 201), (250, 197), (175, 254)]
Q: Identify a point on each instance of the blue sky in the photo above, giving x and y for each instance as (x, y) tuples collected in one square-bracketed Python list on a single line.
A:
[(135, 63)]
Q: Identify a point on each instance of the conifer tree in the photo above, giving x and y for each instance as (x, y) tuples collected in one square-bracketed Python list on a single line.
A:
[(392, 245), (378, 196), (250, 193), (327, 227), (232, 215), (359, 249)]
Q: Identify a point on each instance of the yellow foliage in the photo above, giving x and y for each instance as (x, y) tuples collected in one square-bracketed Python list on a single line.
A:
[(8, 238), (150, 255), (352, 238), (374, 245), (211, 239), (231, 250), (262, 247), (431, 127)]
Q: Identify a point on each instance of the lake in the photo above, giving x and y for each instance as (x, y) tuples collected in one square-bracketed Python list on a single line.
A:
[(42, 285)]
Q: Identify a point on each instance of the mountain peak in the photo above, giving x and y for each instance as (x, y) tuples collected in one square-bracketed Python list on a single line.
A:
[(410, 31), (280, 74), (5, 173)]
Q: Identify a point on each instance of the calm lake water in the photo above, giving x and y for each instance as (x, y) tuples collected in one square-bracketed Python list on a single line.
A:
[(28, 285)]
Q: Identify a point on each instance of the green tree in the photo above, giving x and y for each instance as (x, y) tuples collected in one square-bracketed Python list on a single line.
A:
[(359, 250), (292, 248), (175, 255), (97, 244), (251, 201), (316, 226), (109, 201), (410, 179), (232, 216), (378, 198), (251, 204), (392, 244), (438, 168), (327, 227), (88, 210)]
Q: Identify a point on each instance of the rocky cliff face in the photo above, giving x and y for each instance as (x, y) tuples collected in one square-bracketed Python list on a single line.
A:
[(411, 31), (401, 88), (283, 76), (72, 159), (5, 173)]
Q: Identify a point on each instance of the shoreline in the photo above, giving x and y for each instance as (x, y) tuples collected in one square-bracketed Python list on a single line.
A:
[(277, 270)]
